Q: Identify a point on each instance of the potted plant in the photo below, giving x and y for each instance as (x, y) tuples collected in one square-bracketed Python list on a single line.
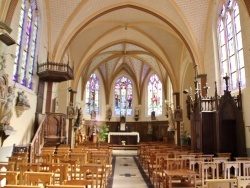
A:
[(185, 138), (103, 133)]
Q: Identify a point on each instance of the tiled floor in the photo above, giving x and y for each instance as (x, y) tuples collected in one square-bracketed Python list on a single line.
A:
[(127, 171)]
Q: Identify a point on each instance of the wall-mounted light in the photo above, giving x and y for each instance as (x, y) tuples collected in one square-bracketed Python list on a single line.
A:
[(69, 89), (186, 91)]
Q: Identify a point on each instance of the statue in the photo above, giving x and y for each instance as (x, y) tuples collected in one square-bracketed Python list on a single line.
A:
[(93, 114), (153, 115), (22, 99), (79, 117), (6, 109), (109, 113)]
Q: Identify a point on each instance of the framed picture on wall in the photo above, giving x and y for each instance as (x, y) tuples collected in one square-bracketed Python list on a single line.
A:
[(178, 115), (70, 112)]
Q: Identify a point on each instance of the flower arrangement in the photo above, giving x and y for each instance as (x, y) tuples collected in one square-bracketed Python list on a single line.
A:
[(103, 133)]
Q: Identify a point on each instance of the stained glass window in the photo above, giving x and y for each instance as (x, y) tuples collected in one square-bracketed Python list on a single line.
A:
[(92, 95), (123, 97), (155, 95), (26, 44), (230, 44)]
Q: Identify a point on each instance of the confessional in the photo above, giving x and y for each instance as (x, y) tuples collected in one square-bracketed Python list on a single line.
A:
[(217, 123)]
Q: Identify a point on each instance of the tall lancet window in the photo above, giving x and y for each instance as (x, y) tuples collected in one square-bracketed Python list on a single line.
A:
[(123, 97), (230, 45), (92, 95), (155, 95), (26, 44)]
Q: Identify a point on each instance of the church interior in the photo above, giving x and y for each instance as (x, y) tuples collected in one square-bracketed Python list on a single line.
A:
[(123, 74)]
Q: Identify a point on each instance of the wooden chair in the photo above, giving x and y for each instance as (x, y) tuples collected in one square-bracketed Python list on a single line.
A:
[(41, 158), (91, 172), (66, 186), (105, 161), (151, 163), (80, 157), (37, 178), (243, 181), (194, 164), (20, 154), (228, 165), (71, 168), (8, 166), (188, 158), (220, 161), (246, 168), (22, 186), (32, 167), (209, 170), (60, 171), (87, 183), (207, 157), (18, 161), (224, 155), (57, 158), (220, 183), (160, 165), (11, 177)]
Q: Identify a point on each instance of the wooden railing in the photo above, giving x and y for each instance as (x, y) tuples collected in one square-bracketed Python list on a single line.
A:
[(212, 103), (37, 141), (53, 66)]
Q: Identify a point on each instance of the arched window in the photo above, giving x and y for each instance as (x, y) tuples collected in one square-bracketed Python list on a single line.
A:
[(123, 97), (26, 44), (92, 95), (154, 95), (230, 44)]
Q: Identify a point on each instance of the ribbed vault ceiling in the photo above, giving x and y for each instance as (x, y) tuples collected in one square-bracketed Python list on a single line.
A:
[(136, 37)]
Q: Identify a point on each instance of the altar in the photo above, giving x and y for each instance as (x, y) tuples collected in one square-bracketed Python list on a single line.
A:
[(129, 137)]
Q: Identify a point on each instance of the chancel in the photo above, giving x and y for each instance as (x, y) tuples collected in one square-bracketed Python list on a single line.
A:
[(99, 87)]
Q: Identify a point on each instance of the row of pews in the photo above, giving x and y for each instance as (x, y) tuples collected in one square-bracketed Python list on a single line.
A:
[(175, 166), (85, 165)]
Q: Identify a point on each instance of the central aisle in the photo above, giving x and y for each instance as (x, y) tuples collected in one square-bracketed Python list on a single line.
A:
[(127, 171)]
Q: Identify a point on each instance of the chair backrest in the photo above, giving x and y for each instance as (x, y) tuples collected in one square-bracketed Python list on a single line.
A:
[(175, 163), (41, 158), (243, 181), (209, 170), (228, 165), (32, 167), (18, 161), (246, 168), (60, 171), (22, 186), (66, 186), (37, 178), (91, 172), (79, 182), (71, 168), (11, 177), (7, 166), (80, 157), (220, 183)]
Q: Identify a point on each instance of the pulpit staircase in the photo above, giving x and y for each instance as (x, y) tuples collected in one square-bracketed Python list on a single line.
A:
[(51, 132)]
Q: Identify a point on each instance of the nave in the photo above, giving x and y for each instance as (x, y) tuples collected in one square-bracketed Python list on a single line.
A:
[(127, 171)]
